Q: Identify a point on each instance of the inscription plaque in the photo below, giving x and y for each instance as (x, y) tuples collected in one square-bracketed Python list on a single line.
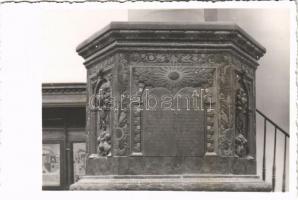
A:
[(171, 133), (176, 132)]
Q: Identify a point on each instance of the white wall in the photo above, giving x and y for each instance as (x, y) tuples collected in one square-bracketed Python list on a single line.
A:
[(271, 28), (61, 31)]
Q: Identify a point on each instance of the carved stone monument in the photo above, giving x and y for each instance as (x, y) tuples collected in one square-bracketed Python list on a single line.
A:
[(171, 107)]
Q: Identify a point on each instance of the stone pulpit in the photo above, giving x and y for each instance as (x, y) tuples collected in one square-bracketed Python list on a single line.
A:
[(171, 107)]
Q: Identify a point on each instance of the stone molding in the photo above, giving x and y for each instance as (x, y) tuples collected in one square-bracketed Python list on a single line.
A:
[(216, 35), (249, 183), (63, 88)]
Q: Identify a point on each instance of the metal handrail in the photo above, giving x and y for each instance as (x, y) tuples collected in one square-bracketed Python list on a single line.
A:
[(273, 123), (286, 136)]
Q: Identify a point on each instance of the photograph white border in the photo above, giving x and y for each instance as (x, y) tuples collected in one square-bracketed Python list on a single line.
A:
[(16, 186)]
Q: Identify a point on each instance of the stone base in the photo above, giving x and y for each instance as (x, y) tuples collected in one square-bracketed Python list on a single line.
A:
[(169, 165), (235, 183)]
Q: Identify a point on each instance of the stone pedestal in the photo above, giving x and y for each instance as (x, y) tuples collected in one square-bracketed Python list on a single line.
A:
[(171, 107)]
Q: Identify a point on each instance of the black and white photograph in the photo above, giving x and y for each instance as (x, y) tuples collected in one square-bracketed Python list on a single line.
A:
[(180, 98)]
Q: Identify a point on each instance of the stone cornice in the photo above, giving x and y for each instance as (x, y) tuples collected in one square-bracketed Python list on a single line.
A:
[(199, 35), (63, 88), (64, 94)]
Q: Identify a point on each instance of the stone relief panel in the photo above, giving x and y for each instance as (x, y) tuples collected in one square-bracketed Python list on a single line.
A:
[(174, 72), (174, 77), (226, 133), (104, 89), (99, 131), (243, 117), (121, 136), (235, 121), (136, 118), (211, 122), (244, 97)]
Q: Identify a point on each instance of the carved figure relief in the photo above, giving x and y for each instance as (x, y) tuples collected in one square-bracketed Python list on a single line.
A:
[(241, 118), (103, 91)]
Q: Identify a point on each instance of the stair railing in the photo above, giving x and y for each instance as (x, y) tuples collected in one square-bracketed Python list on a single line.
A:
[(277, 129)]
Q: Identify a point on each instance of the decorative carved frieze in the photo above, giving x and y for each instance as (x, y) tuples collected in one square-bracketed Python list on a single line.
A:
[(197, 59), (174, 78)]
